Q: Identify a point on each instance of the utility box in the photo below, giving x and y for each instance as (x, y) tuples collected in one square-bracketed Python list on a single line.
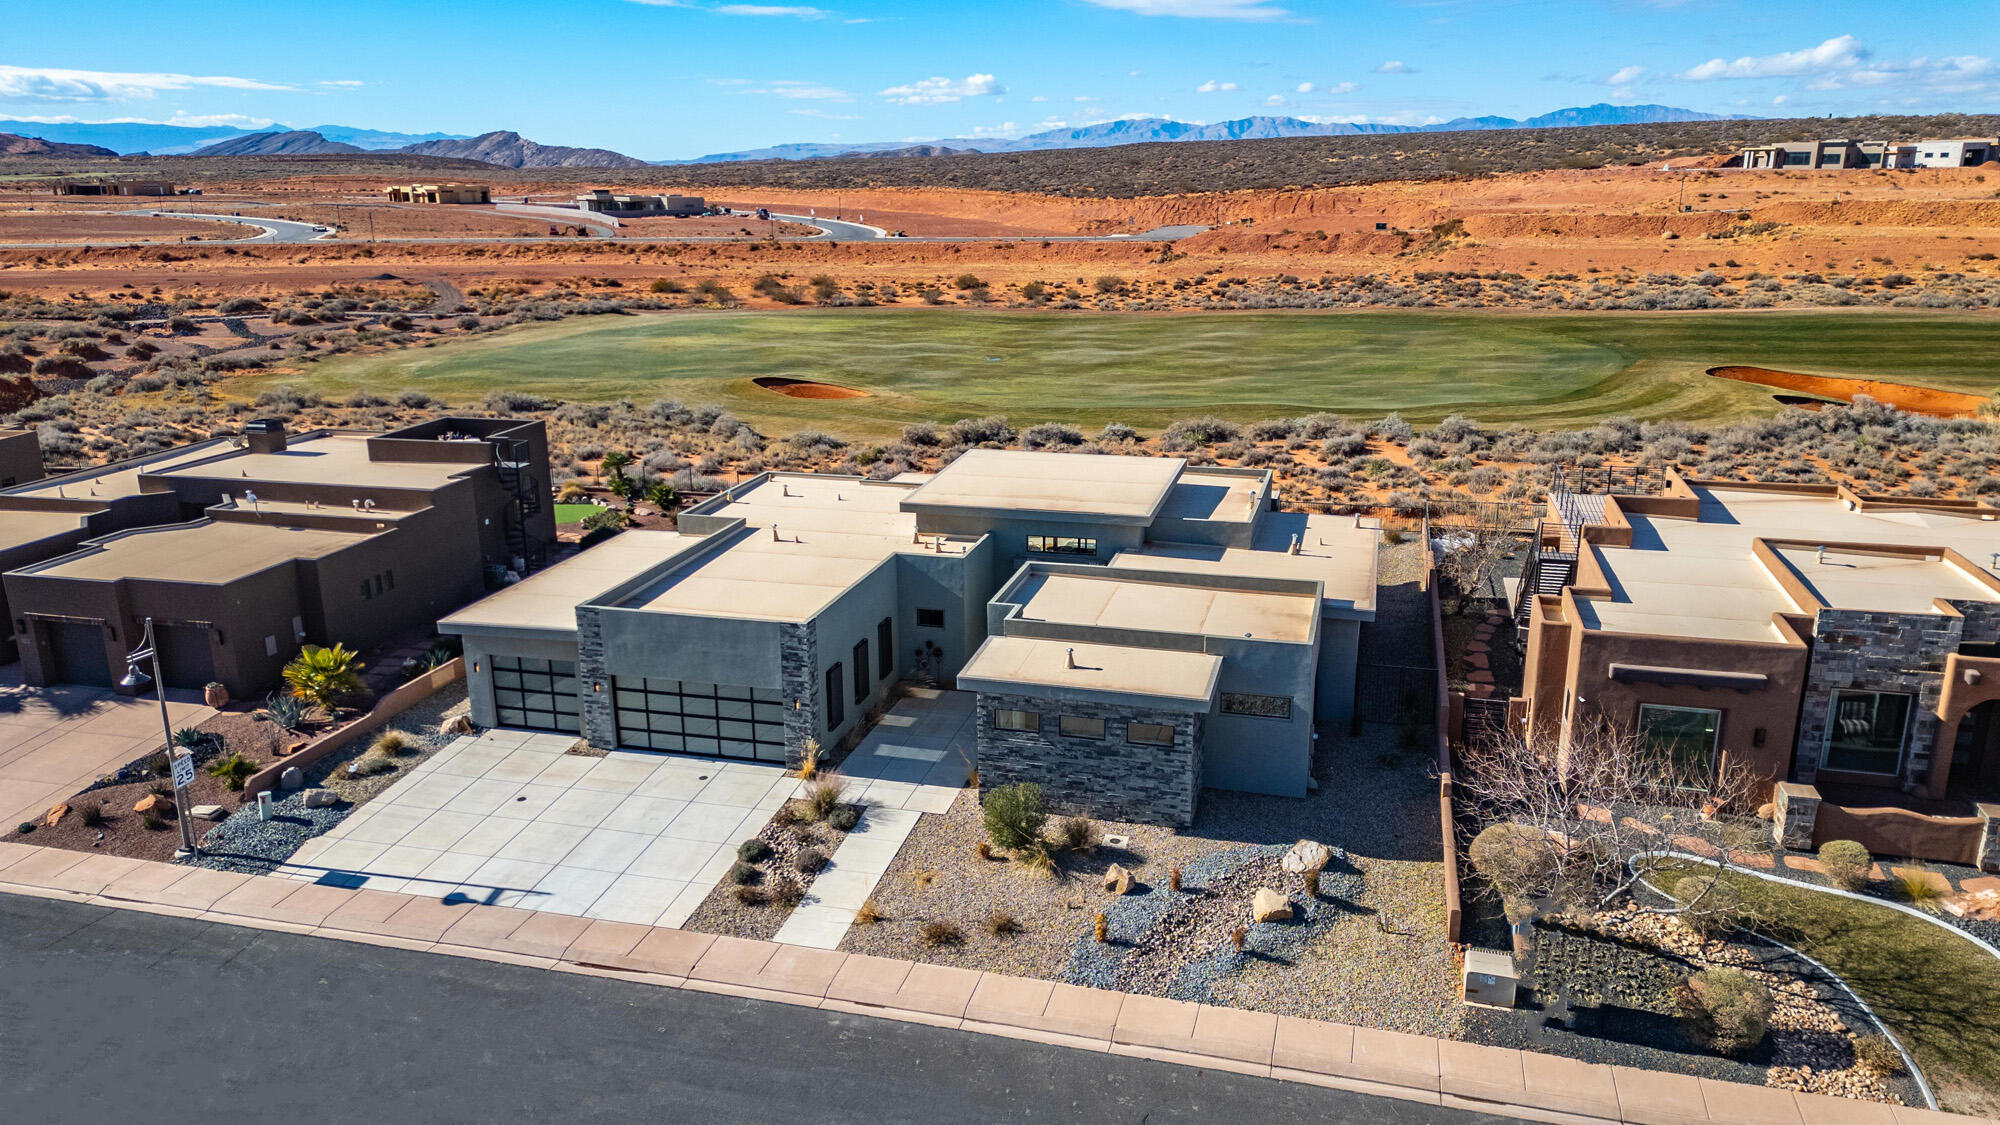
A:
[(1490, 978)]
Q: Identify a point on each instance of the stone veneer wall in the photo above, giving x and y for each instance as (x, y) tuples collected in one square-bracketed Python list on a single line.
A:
[(798, 676), (600, 716), (1900, 652), (1112, 778)]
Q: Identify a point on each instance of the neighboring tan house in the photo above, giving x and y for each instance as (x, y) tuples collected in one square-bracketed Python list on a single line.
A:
[(116, 187), (605, 202), (241, 553), (1136, 628), (438, 193), (1843, 648)]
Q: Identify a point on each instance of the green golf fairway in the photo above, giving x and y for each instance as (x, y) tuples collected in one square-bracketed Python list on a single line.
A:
[(1545, 370)]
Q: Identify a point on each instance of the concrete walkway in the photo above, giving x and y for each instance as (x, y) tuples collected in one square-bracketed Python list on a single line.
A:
[(56, 740), (821, 921), (919, 755), (1441, 1072)]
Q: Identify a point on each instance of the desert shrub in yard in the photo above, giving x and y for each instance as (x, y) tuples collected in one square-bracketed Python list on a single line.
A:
[(1709, 906), (1014, 816), (753, 850), (25, 827), (91, 815), (1077, 833), (1731, 1008), (1918, 889), (786, 815), (1875, 1054), (823, 796), (809, 861), (751, 896), (1191, 432), (843, 818), (788, 893), (372, 764), (1050, 435), (151, 818), (324, 675), (1000, 924), (393, 744), (1116, 432), (160, 765), (868, 914), (936, 935), (743, 874), (1847, 864), (1514, 858), (287, 711), (234, 770), (973, 431)]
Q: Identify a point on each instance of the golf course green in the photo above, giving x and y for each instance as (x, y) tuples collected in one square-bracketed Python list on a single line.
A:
[(1544, 370)]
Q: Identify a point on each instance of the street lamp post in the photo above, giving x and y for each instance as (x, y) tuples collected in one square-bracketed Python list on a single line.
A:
[(180, 761)]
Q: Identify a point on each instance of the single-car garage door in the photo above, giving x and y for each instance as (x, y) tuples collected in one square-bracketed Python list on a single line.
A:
[(717, 720), (80, 656), (536, 694)]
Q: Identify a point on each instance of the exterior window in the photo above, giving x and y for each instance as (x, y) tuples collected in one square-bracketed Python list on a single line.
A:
[(861, 672), (1082, 726), (1004, 719), (836, 699), (930, 618), (1257, 706), (885, 649), (1149, 734), (1684, 737), (1866, 730), (1061, 545)]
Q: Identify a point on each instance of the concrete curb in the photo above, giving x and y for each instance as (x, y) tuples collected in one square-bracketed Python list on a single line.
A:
[(1441, 1072)]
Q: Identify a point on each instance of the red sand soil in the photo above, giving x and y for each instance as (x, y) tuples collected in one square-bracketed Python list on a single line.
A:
[(59, 226), (802, 388), (1902, 396)]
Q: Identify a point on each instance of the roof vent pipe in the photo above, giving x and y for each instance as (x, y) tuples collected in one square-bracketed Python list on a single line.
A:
[(1821, 558), (775, 537), (1069, 658), (1295, 546)]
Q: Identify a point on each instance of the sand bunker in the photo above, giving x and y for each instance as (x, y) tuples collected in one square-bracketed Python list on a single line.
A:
[(805, 388), (1902, 396)]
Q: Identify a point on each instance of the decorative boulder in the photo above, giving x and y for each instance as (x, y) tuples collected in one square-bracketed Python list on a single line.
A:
[(1117, 880), (457, 724), (319, 798), (292, 778), (1270, 906), (1307, 855), (153, 802), (55, 815)]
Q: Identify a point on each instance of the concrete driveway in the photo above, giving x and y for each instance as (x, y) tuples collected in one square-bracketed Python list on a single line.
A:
[(56, 740)]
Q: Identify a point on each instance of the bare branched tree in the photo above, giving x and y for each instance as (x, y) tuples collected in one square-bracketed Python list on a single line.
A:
[(1574, 828), (1471, 539)]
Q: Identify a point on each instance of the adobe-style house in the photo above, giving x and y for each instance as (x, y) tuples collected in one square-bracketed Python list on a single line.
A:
[(1843, 647), (243, 549), (1136, 628)]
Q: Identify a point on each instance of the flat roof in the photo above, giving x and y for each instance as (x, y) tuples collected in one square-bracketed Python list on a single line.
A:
[(1107, 600), (21, 528), (1071, 484), (1202, 494), (1699, 579), (1339, 552), (1030, 663), (333, 460), (120, 478), (206, 553), (546, 601)]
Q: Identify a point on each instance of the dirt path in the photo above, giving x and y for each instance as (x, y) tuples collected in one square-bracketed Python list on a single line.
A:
[(1902, 396)]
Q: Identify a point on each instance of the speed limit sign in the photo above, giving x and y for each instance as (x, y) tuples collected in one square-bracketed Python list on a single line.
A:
[(183, 770)]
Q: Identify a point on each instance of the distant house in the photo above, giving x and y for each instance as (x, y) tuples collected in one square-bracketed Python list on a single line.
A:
[(1842, 153), (438, 193), (116, 187), (603, 201)]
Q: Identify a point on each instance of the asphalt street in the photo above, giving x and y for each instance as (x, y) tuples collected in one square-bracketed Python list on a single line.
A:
[(116, 1015)]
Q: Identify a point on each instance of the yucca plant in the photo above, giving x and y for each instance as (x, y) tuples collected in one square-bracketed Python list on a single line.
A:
[(323, 676)]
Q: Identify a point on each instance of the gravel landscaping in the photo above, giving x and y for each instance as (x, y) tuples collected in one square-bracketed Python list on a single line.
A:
[(758, 908)]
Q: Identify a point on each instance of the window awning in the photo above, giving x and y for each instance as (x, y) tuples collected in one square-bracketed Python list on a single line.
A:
[(1688, 677)]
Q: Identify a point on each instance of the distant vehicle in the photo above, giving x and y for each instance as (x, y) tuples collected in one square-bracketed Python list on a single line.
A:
[(896, 234), (764, 213)]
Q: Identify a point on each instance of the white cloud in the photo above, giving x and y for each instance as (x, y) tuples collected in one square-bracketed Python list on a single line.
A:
[(1840, 51), (1198, 9), (938, 90), (794, 11), (1213, 87), (824, 115), (342, 83), (1275, 100), (1306, 88), (193, 120), (1395, 66), (1781, 99), (802, 91), (56, 84), (1039, 98), (1623, 76)]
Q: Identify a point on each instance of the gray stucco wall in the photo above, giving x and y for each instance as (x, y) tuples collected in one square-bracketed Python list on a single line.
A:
[(852, 618), (1113, 779), (956, 585), (1010, 536), (1252, 754), (1339, 657)]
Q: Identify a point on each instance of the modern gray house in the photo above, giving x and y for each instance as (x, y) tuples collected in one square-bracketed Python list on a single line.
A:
[(1136, 628)]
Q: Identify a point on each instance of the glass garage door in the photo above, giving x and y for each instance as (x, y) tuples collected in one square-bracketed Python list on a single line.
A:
[(536, 694), (717, 720)]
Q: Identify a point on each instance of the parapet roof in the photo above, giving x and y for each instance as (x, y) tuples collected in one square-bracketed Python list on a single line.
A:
[(546, 601), (1111, 599), (1702, 579), (1167, 678), (202, 552), (1339, 552), (998, 482)]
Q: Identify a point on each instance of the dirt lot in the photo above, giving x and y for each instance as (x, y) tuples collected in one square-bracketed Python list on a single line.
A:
[(99, 226), (390, 220)]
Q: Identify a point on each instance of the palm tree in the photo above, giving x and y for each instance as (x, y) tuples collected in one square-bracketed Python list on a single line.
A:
[(614, 464), (324, 676)]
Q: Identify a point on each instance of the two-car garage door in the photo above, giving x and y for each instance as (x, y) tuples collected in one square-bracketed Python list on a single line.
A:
[(718, 720)]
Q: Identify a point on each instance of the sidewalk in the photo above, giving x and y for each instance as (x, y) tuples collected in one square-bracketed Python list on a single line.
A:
[(1432, 1071)]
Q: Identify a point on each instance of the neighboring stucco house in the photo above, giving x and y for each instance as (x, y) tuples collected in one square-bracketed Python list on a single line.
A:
[(1157, 627)]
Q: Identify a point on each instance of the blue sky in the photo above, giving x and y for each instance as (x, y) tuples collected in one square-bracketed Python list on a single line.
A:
[(675, 78)]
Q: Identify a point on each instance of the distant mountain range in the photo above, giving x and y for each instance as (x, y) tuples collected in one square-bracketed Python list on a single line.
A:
[(12, 145), (511, 150), (501, 148), (132, 138), (296, 142), (1149, 130)]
